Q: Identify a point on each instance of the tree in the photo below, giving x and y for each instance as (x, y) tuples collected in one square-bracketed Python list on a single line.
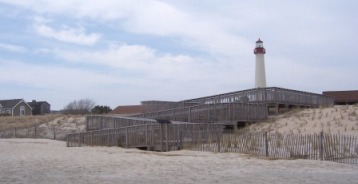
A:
[(82, 106), (101, 109)]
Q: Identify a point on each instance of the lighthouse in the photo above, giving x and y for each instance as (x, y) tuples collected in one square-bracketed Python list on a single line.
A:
[(260, 78)]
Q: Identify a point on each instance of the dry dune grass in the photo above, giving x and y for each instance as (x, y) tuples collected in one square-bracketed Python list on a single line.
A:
[(25, 121), (337, 120), (57, 120)]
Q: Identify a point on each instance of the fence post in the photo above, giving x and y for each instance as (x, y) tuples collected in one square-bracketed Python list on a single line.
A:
[(35, 131), (146, 136), (79, 139), (126, 137), (167, 137), (266, 145), (54, 133), (181, 139), (68, 143), (15, 133), (161, 137), (218, 142), (91, 138), (108, 138), (321, 146)]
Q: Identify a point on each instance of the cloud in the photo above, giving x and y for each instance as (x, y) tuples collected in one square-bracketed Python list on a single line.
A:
[(67, 34), (204, 32), (12, 48), (51, 77), (144, 60)]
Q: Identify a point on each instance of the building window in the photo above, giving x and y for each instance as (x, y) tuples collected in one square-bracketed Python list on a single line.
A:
[(22, 111)]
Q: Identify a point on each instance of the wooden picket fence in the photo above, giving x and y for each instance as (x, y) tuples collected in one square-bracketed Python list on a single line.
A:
[(54, 133), (337, 148), (212, 137)]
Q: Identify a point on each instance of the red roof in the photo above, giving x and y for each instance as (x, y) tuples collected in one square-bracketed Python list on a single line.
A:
[(127, 109), (343, 96)]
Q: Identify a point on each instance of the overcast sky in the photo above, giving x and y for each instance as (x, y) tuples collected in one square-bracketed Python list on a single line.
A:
[(123, 52)]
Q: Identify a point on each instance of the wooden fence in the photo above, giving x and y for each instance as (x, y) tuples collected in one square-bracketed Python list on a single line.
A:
[(337, 148), (211, 137), (156, 137), (36, 132)]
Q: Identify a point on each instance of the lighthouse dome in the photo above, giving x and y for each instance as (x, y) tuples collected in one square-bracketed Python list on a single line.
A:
[(259, 41)]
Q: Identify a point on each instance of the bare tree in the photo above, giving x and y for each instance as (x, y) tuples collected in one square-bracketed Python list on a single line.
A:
[(82, 106)]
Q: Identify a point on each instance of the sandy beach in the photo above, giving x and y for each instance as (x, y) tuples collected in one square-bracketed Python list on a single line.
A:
[(48, 161)]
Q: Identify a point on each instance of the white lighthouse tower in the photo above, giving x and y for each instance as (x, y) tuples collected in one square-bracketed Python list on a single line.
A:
[(260, 78)]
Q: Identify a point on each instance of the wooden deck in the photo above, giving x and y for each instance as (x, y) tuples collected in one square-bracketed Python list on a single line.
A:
[(271, 96), (228, 108)]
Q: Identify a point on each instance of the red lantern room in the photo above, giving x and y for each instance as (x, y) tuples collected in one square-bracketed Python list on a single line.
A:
[(259, 47)]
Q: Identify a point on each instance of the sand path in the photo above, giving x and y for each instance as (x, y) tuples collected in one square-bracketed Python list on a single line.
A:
[(47, 161)]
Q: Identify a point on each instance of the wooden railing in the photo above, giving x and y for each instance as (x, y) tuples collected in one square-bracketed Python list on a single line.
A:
[(228, 113), (219, 113), (98, 122), (270, 95), (158, 137)]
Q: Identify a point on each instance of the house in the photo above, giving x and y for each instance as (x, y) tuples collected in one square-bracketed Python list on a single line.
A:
[(127, 110), (343, 97), (40, 107), (15, 107)]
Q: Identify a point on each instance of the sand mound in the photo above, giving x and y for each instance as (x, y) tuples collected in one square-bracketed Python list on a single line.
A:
[(335, 120)]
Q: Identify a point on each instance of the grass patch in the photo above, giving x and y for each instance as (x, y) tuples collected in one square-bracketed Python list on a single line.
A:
[(8, 122)]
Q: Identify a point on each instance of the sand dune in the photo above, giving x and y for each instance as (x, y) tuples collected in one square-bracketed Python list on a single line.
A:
[(47, 161), (335, 120)]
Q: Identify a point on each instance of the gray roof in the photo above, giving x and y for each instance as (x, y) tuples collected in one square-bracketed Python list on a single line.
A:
[(9, 103), (37, 103)]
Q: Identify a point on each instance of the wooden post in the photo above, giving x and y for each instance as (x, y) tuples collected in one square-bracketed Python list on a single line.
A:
[(167, 137), (92, 138), (15, 133), (161, 137), (108, 138), (178, 136), (321, 146), (35, 131), (218, 140), (189, 115), (54, 133), (146, 136), (266, 144), (79, 139), (67, 138), (127, 137), (181, 140)]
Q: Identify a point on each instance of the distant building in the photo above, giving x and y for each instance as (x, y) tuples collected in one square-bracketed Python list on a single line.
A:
[(343, 97), (127, 110), (40, 107), (15, 107)]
